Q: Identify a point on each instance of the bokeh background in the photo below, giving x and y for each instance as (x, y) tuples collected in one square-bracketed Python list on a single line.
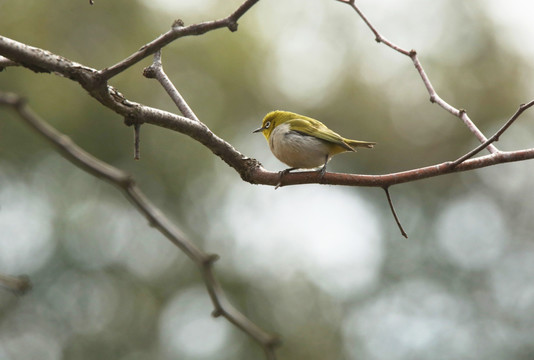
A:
[(323, 266)]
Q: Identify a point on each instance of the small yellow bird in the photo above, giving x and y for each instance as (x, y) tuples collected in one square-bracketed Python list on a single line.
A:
[(302, 142)]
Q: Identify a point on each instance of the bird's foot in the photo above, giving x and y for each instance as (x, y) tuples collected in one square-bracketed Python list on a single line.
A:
[(321, 172), (282, 174)]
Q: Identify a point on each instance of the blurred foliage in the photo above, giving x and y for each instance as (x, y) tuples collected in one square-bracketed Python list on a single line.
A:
[(324, 267)]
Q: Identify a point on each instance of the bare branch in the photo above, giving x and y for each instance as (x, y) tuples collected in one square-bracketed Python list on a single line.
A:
[(434, 98), (156, 218), (261, 176), (174, 33)]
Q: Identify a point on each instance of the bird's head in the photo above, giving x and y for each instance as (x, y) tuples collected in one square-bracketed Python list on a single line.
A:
[(272, 120)]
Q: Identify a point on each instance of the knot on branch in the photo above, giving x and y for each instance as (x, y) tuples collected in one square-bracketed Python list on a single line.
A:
[(273, 342), (126, 181), (249, 170), (131, 120), (13, 100), (217, 312), (149, 72), (178, 23), (232, 25), (209, 260)]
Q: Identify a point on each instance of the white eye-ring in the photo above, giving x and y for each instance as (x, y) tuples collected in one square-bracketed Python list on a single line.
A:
[(267, 124)]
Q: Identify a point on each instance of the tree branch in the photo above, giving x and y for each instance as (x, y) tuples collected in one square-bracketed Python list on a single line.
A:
[(176, 32), (434, 97), (312, 177), (249, 169), (156, 218)]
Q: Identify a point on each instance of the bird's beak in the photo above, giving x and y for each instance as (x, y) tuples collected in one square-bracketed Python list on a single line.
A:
[(258, 130)]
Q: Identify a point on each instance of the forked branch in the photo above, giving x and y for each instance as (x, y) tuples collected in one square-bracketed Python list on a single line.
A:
[(496, 136)]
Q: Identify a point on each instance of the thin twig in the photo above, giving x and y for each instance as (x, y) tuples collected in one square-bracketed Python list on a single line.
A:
[(156, 71), (386, 189), (496, 136), (434, 97), (156, 218)]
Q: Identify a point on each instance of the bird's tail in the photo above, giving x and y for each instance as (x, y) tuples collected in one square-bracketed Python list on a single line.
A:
[(356, 143)]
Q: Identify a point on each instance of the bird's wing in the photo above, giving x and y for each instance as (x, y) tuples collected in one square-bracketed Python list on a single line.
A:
[(318, 130)]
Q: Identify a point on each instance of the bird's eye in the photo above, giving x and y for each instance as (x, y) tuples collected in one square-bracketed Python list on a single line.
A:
[(267, 124)]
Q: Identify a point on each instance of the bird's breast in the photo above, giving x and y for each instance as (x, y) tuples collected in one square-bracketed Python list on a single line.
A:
[(296, 149)]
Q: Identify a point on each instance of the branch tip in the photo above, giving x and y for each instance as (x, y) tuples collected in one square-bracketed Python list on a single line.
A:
[(403, 233)]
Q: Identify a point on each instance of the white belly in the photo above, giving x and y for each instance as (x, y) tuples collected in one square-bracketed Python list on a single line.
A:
[(297, 150)]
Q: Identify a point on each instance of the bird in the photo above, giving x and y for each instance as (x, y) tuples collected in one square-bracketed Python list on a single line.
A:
[(303, 142)]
